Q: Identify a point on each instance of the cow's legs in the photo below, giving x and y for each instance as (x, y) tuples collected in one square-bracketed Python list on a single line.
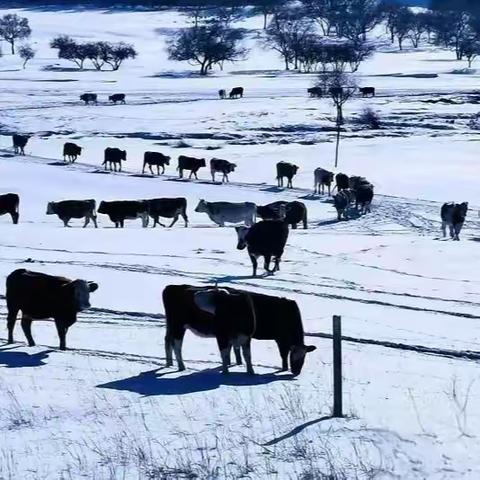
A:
[(266, 264), (191, 173), (94, 218), (185, 218), (238, 355), (27, 330), (65, 221), (11, 319), (195, 173), (225, 347), (284, 351), (62, 334), (175, 218), (276, 267), (177, 348), (247, 355), (158, 169), (87, 221), (452, 232), (254, 261), (213, 176), (180, 173), (14, 216), (163, 168), (444, 228)]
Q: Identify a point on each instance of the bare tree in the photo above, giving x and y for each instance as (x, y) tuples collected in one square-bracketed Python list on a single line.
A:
[(69, 49), (13, 28), (417, 29), (402, 23), (471, 49), (266, 8), (26, 53), (117, 53)]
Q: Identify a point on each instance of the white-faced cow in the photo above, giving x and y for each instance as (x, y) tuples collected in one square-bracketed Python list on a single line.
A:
[(322, 178), (217, 165), (222, 212), (453, 215), (190, 163), (120, 210), (114, 157), (71, 152), (264, 239), (39, 296), (89, 98), (9, 203), (68, 209), (292, 213), (19, 143), (288, 170), (156, 159), (234, 318), (167, 208)]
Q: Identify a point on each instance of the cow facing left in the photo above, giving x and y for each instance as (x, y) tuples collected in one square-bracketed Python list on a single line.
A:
[(40, 296), (68, 209), (19, 143), (9, 203)]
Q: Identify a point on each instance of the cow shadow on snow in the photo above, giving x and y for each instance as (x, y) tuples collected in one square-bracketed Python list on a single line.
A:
[(152, 382), (12, 359)]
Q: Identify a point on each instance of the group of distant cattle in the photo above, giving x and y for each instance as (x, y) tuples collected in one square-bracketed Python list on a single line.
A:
[(236, 92), (89, 98), (319, 92)]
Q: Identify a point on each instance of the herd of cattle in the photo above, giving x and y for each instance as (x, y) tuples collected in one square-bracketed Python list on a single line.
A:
[(338, 91)]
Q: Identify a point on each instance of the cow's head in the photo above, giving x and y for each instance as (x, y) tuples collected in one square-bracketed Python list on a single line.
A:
[(295, 169), (79, 150), (123, 155), (464, 208), (50, 208), (102, 208), (297, 357), (202, 162), (167, 160), (233, 166), (202, 206), (242, 237), (81, 293)]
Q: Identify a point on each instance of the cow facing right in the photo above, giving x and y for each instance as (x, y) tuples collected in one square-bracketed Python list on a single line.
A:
[(114, 157), (71, 152), (453, 215), (156, 159), (19, 143)]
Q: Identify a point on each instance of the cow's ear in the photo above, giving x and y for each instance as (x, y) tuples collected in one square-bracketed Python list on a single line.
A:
[(310, 348), (92, 286)]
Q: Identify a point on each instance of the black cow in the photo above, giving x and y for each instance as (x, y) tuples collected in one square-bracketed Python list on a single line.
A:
[(315, 92), (9, 203), (236, 92), (71, 152), (291, 213), (363, 198), (222, 93), (155, 158), (453, 215), (234, 317), (367, 91), (117, 97), (336, 91), (355, 182), (264, 239), (121, 210), (19, 143), (68, 209), (190, 163), (288, 170), (342, 201), (342, 181), (167, 208), (89, 98), (114, 156), (222, 166), (41, 296), (322, 178)]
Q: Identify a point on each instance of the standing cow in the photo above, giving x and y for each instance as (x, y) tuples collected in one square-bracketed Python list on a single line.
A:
[(264, 239), (19, 143), (71, 152), (120, 210), (190, 163), (322, 178), (236, 92), (167, 208), (342, 201), (221, 166), (221, 212), (114, 157), (453, 215), (288, 170), (9, 203), (155, 159), (222, 93), (68, 209), (40, 296), (89, 98), (342, 182), (367, 91), (117, 97)]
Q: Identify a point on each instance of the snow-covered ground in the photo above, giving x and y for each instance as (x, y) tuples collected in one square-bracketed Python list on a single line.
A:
[(107, 408)]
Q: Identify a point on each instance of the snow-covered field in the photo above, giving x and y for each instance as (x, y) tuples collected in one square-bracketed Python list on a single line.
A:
[(107, 408)]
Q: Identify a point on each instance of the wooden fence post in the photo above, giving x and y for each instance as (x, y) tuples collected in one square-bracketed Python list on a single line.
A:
[(337, 366)]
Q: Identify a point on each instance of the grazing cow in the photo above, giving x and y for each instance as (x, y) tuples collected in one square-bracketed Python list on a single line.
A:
[(342, 182), (121, 210), (291, 213), (221, 212), (236, 92), (322, 178), (315, 92), (234, 317), (9, 203), (68, 209), (19, 143), (342, 201), (190, 163), (288, 170), (155, 158), (264, 239), (89, 98), (222, 166), (367, 91), (40, 296), (222, 93), (117, 97), (453, 215), (114, 156), (167, 208), (71, 152)]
